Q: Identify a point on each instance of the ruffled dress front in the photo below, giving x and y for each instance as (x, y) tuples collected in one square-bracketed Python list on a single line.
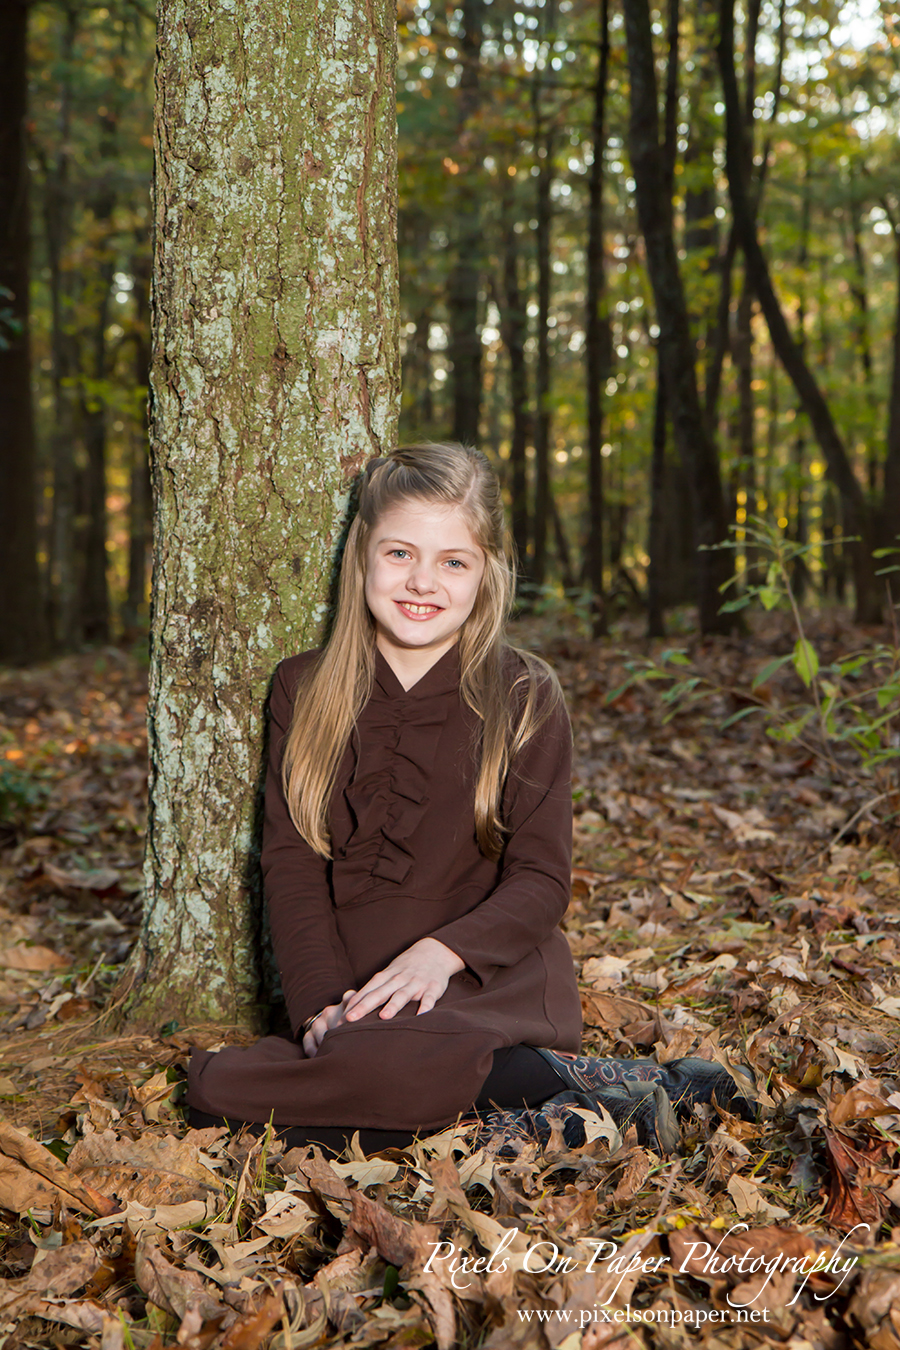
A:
[(406, 865)]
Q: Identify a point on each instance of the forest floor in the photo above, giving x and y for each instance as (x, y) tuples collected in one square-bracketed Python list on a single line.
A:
[(733, 897)]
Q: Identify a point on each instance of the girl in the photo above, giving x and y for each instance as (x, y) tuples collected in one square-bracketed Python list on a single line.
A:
[(417, 840)]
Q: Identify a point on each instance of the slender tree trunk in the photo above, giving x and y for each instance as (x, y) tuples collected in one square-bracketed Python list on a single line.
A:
[(598, 338), (22, 617), (860, 291), (514, 331), (62, 571), (892, 456), (656, 623), (465, 339), (274, 378), (545, 141), (857, 517), (563, 554), (692, 438)]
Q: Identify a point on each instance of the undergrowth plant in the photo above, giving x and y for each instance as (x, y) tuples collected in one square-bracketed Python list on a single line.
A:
[(850, 704)]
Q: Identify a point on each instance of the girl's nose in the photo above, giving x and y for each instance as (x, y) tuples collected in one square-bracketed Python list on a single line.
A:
[(422, 579)]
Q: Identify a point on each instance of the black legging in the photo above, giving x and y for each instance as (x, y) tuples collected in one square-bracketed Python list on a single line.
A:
[(519, 1076)]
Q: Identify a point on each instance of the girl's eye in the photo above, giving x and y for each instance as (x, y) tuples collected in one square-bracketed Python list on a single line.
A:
[(456, 564), (398, 553)]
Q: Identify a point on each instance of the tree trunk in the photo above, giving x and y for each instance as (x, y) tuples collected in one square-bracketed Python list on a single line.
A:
[(544, 140), (656, 623), (892, 457), (22, 619), (692, 438), (140, 495), (465, 339), (598, 338), (514, 331), (274, 377), (62, 570), (859, 291), (855, 510)]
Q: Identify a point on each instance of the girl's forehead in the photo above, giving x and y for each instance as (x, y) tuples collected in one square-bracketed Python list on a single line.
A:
[(424, 518)]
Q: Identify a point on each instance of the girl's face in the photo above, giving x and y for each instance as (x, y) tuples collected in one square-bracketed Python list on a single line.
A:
[(423, 570)]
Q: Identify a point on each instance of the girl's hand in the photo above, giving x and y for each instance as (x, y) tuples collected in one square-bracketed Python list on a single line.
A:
[(330, 1017), (421, 972)]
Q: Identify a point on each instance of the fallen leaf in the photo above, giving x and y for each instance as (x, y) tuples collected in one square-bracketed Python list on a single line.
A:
[(22, 957), (20, 1154), (152, 1169)]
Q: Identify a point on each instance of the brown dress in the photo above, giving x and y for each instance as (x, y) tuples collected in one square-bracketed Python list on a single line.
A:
[(407, 865)]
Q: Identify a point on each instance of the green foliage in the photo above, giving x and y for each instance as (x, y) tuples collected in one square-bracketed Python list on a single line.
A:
[(20, 792), (850, 705)]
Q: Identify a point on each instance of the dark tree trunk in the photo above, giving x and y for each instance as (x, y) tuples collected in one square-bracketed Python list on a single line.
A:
[(22, 615), (544, 140), (700, 226), (62, 570), (860, 292), (691, 436), (95, 616), (743, 359), (563, 555), (656, 624), (892, 458), (598, 339), (514, 331), (857, 517), (465, 339)]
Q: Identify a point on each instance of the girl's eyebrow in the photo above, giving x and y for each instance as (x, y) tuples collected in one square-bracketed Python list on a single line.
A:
[(406, 544)]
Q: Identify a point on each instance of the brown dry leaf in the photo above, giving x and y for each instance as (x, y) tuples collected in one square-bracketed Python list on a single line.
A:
[(863, 1101), (37, 1160), (22, 1190), (857, 1184), (59, 1274), (748, 1197), (90, 879), (632, 1180), (448, 1193), (152, 1169), (170, 1288), (611, 1011), (22, 957), (250, 1330)]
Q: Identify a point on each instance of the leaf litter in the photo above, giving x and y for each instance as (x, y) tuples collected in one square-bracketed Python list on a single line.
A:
[(711, 914)]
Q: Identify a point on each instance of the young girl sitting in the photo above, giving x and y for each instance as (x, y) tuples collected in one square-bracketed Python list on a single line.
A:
[(417, 848)]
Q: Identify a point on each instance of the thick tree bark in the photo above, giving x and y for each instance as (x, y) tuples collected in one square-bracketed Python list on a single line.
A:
[(692, 438), (598, 338), (22, 626), (857, 517), (465, 338), (274, 377)]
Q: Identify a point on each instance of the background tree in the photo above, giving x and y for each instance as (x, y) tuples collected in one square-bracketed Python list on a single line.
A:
[(21, 611), (273, 378)]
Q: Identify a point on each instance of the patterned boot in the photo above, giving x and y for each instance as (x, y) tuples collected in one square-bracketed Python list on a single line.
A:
[(686, 1082), (644, 1105)]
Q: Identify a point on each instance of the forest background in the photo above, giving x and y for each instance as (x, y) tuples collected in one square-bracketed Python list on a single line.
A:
[(528, 323)]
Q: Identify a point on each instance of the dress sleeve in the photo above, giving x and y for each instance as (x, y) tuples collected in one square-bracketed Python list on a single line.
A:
[(535, 883), (310, 955)]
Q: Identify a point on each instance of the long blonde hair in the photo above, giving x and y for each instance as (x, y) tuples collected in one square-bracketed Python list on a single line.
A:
[(335, 690)]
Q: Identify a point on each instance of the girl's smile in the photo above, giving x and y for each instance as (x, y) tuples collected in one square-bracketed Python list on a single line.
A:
[(423, 571)]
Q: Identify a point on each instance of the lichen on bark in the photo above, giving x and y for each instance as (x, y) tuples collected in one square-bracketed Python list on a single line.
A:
[(274, 376)]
